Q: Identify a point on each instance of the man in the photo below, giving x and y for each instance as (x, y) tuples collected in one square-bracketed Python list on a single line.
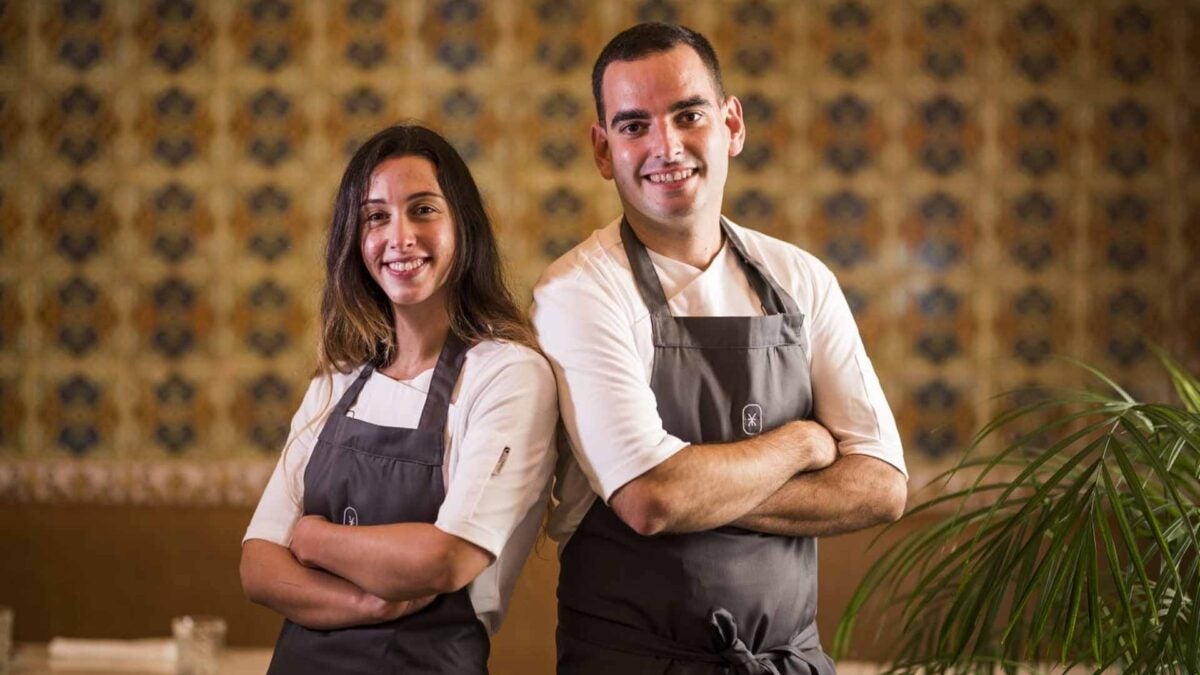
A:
[(715, 392)]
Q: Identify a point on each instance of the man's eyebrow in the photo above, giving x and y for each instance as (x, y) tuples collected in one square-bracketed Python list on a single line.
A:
[(626, 115), (640, 114), (692, 102)]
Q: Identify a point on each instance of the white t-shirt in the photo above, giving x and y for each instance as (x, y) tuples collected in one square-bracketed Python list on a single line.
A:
[(504, 399), (595, 329)]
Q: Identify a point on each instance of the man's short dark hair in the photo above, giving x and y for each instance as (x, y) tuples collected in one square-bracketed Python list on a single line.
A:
[(649, 38)]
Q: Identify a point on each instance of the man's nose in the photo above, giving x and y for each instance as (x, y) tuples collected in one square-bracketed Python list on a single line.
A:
[(668, 142)]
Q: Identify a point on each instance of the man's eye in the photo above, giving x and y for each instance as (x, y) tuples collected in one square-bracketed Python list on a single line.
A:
[(690, 116), (633, 128)]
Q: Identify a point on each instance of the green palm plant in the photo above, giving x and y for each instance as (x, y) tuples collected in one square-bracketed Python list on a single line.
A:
[(1075, 543)]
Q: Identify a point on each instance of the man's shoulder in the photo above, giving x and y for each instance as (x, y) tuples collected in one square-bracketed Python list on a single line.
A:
[(596, 261), (595, 251), (780, 254)]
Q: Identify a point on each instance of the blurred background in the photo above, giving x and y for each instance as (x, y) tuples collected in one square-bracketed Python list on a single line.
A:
[(996, 184)]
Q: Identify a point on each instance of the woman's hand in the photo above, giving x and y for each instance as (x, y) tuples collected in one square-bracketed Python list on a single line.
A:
[(387, 610), (304, 539)]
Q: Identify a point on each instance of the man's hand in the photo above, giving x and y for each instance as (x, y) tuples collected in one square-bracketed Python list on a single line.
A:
[(816, 442), (303, 536)]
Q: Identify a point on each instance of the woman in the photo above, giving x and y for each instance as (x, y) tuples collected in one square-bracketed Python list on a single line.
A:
[(411, 488)]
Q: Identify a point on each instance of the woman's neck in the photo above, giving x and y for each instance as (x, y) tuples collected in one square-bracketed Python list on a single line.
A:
[(419, 340)]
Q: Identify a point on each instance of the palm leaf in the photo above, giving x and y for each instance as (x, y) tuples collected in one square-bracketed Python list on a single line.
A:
[(1077, 540)]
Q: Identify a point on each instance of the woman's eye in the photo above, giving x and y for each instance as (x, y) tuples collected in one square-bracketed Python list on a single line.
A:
[(424, 210), (376, 217)]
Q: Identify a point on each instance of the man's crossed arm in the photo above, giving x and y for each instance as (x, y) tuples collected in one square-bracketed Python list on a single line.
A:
[(788, 481)]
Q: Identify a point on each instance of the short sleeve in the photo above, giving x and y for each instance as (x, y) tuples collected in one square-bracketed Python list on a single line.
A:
[(608, 408), (847, 397), (506, 451), (281, 504)]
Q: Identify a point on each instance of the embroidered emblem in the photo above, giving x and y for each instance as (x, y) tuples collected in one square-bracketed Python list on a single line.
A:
[(350, 516), (752, 419)]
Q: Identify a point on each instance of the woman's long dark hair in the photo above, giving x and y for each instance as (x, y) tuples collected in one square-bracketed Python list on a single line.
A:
[(357, 325)]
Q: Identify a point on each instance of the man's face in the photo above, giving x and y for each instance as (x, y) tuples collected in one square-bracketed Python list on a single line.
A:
[(667, 137)]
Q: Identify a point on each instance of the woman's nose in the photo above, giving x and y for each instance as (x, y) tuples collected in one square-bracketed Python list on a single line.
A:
[(401, 233)]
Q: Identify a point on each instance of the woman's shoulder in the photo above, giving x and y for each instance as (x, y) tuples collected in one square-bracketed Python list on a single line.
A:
[(503, 353), (492, 356), (325, 385)]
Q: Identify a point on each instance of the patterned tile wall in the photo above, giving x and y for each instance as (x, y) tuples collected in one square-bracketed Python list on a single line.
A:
[(995, 183)]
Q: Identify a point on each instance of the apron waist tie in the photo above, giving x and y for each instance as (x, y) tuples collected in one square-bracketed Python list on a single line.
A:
[(731, 651)]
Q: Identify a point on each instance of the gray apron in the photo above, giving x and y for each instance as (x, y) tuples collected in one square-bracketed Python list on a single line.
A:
[(364, 474), (727, 600)]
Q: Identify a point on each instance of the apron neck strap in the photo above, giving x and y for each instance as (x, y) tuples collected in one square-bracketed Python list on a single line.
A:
[(441, 387), (774, 300), (644, 276), (347, 400)]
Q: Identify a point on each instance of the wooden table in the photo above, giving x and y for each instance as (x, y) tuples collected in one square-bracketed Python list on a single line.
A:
[(34, 659)]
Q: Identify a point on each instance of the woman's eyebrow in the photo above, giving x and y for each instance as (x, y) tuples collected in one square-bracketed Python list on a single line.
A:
[(415, 195)]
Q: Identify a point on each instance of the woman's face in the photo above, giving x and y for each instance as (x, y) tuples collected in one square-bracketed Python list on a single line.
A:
[(408, 234)]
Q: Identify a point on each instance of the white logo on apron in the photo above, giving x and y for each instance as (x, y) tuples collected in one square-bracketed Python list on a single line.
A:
[(349, 516), (752, 419)]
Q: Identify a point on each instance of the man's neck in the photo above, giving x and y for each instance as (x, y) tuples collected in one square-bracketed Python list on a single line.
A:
[(695, 244)]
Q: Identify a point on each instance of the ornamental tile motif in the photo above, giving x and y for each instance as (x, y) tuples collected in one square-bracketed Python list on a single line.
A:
[(362, 33), (1037, 230), (270, 34), (79, 33), (175, 126), (849, 39), (79, 125), (172, 411), (944, 39), (77, 316), (844, 228), (848, 135), (563, 35), (1038, 41), (1028, 324), (172, 222), (1132, 43), (174, 34), (266, 221), (77, 221), (939, 231)]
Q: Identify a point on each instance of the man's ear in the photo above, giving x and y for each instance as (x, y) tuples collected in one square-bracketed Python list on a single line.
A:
[(736, 125), (601, 153)]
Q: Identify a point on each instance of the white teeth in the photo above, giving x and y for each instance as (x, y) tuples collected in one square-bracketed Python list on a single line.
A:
[(407, 265), (671, 177)]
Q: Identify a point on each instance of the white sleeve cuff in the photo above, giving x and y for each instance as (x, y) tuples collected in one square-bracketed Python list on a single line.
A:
[(482, 537), (619, 475)]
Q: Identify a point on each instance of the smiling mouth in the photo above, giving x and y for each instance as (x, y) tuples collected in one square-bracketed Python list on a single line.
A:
[(671, 176), (405, 267)]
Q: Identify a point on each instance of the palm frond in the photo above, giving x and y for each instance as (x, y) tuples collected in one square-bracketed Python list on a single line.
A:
[(1076, 541)]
